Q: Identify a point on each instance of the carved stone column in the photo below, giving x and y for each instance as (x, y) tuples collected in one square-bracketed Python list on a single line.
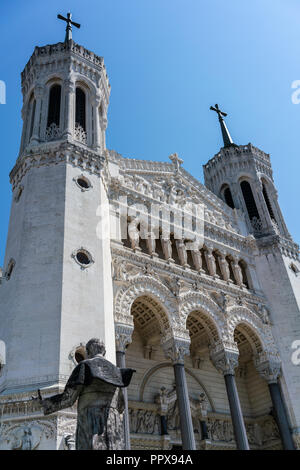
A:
[(225, 362), (197, 259), (38, 93), (123, 334), (176, 349), (211, 262), (97, 129), (182, 254), (270, 369), (167, 249), (151, 245), (237, 272), (103, 126), (224, 267), (69, 123)]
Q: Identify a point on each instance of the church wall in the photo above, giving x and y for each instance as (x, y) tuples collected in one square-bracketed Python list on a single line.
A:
[(87, 303), (286, 326), (33, 315)]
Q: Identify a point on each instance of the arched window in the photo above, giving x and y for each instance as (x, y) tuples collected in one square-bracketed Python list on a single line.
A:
[(249, 200), (80, 119), (54, 105), (228, 197), (267, 201)]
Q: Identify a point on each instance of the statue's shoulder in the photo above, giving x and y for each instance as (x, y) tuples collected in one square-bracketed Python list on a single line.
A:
[(100, 368)]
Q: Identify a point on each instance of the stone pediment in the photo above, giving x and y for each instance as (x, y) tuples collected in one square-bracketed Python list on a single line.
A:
[(175, 187)]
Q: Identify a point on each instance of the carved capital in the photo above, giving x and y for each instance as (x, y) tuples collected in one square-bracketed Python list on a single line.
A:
[(225, 359), (268, 366), (175, 349), (123, 335), (69, 86)]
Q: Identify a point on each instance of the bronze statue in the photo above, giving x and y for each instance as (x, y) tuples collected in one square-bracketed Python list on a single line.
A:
[(97, 384)]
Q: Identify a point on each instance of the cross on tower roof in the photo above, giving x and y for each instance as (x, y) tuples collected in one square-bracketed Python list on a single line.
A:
[(69, 22), (225, 132)]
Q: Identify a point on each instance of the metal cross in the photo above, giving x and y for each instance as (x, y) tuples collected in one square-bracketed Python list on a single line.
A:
[(69, 22), (218, 111), (225, 133)]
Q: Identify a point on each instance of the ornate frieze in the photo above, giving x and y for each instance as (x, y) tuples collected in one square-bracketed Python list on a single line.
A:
[(58, 153)]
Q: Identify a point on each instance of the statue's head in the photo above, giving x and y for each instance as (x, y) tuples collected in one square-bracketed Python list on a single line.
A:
[(95, 346)]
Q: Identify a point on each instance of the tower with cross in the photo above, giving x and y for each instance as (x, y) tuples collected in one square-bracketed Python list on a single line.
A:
[(242, 176), (102, 245), (57, 259)]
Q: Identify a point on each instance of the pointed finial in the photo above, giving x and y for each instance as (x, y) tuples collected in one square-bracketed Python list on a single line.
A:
[(225, 132), (69, 22)]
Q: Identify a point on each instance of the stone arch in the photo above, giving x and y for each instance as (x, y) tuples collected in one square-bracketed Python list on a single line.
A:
[(257, 333), (209, 312), (148, 374), (144, 286), (85, 83)]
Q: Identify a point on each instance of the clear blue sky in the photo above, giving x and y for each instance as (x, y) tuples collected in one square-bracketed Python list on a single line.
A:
[(168, 61)]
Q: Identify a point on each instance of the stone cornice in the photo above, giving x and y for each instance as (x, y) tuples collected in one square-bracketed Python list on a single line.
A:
[(68, 49), (237, 151), (276, 243), (54, 154)]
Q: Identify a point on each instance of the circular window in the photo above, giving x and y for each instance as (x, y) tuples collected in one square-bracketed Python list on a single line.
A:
[(83, 183), (83, 258)]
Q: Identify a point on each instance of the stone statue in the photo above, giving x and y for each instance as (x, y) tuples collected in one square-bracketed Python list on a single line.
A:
[(96, 383)]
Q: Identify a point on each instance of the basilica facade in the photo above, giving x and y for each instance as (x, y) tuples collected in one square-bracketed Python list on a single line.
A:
[(196, 287)]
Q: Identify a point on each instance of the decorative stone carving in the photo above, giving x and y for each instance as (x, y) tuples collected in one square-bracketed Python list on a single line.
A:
[(27, 435), (162, 399), (264, 314), (225, 360), (52, 132), (268, 366), (211, 262), (224, 267), (237, 272), (80, 134), (176, 349), (123, 335), (134, 233)]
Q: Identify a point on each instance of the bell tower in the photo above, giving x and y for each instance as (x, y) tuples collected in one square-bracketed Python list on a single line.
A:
[(56, 286), (242, 176)]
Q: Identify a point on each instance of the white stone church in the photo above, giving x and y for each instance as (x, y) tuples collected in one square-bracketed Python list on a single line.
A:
[(196, 287)]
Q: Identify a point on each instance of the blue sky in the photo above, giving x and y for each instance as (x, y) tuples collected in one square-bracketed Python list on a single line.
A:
[(168, 61)]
